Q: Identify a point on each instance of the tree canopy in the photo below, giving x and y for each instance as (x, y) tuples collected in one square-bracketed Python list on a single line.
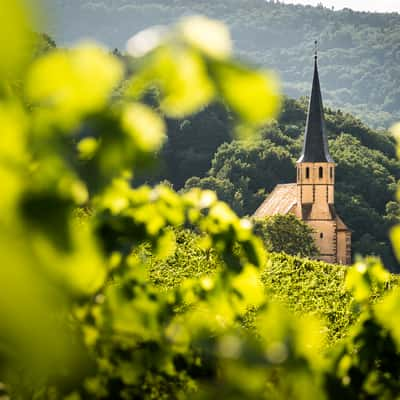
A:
[(286, 234)]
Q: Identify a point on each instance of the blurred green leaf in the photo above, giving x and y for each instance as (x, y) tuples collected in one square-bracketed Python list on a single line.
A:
[(73, 83), (14, 157), (184, 82), (16, 26), (253, 95), (146, 128), (385, 312), (363, 276), (209, 36)]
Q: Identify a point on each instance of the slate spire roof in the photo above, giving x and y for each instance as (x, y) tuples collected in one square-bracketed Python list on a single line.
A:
[(315, 147)]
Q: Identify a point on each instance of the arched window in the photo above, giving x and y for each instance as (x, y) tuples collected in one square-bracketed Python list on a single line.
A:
[(321, 235), (307, 173), (321, 173)]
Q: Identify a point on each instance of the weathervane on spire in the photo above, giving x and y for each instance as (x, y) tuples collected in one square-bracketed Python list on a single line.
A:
[(316, 49)]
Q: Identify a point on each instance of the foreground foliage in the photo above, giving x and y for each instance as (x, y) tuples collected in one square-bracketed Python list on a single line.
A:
[(84, 313)]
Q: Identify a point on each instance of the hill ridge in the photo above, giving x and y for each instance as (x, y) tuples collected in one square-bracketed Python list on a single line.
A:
[(359, 51)]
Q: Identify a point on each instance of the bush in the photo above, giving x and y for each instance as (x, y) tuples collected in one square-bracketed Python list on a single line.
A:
[(287, 234)]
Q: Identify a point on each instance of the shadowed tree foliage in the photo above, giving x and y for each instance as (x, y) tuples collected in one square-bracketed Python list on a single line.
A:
[(223, 187), (286, 234), (255, 167), (193, 141)]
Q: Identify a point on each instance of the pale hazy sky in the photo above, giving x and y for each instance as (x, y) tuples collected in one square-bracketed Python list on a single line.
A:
[(363, 5)]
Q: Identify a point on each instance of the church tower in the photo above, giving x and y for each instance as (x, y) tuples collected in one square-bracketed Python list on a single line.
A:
[(312, 197), (316, 184)]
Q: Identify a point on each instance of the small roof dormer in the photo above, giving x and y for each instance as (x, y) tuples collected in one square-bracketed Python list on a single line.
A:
[(315, 147)]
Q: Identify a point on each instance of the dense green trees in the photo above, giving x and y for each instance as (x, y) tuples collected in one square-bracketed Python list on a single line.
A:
[(242, 172), (224, 188), (372, 175), (193, 142), (286, 234), (359, 51), (255, 167)]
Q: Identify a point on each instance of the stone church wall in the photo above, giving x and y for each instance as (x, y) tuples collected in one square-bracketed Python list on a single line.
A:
[(325, 239)]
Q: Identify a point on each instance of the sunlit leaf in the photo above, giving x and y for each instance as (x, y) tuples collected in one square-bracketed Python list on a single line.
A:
[(249, 285), (16, 33), (210, 36), (82, 269), (184, 82), (180, 74), (253, 95), (395, 238), (74, 82), (87, 148), (30, 302), (385, 312), (395, 130), (146, 128), (363, 276), (14, 156), (145, 41)]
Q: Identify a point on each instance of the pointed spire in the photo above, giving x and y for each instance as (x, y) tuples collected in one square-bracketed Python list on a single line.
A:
[(315, 147)]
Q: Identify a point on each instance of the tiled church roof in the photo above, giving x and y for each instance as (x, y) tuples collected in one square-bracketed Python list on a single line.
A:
[(280, 201), (283, 200)]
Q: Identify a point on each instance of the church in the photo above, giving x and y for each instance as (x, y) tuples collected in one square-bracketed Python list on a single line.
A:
[(311, 198)]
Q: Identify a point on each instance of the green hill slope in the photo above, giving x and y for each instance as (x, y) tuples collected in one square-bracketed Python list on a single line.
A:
[(359, 52)]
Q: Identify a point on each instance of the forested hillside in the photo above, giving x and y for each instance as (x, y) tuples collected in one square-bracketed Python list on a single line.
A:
[(360, 52)]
